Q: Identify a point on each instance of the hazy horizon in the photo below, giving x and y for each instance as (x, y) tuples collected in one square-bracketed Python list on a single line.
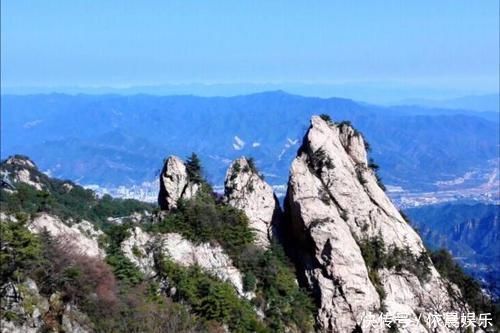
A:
[(369, 93), (378, 52)]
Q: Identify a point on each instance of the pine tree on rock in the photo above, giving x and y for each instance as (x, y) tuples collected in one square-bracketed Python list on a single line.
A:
[(193, 168)]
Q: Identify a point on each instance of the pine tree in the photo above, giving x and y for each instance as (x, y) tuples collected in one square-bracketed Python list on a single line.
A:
[(193, 168)]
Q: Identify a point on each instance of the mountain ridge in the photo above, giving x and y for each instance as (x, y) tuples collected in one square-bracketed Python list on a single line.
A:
[(270, 120), (337, 195), (469, 231)]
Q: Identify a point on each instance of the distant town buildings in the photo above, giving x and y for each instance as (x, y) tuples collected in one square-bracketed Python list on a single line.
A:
[(148, 192)]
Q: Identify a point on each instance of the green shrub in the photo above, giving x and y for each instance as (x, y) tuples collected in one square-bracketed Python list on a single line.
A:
[(89, 284), (319, 159), (10, 316), (268, 273), (376, 257), (137, 304), (77, 204), (20, 250), (377, 283), (345, 123), (359, 175), (249, 281), (202, 219), (373, 251), (141, 308), (136, 251), (326, 118), (379, 182), (469, 287), (281, 299), (251, 165), (210, 298), (236, 168), (372, 165), (194, 169), (123, 268), (368, 147)]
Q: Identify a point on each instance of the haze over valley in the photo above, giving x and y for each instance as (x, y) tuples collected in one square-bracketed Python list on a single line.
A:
[(426, 155), (249, 167)]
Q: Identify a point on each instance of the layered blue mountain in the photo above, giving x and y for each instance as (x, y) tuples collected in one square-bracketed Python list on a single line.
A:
[(490, 102), (120, 140), (470, 231)]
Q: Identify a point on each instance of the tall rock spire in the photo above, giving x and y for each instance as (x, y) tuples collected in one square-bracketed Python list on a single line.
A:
[(246, 190), (175, 184), (355, 251)]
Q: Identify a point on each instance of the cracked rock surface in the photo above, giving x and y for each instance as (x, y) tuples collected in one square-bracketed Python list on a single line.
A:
[(334, 201), (246, 190), (175, 184)]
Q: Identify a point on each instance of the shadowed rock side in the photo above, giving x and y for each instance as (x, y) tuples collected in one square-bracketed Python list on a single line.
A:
[(334, 205), (175, 184), (245, 189)]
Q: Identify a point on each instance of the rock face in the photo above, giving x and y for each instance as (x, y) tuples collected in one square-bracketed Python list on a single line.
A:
[(14, 299), (20, 169), (82, 236), (333, 203), (246, 190), (175, 184), (140, 247), (36, 313)]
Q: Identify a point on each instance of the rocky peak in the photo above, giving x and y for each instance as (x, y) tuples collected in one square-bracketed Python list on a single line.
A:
[(353, 142), (335, 208), (245, 189), (334, 156), (21, 161), (20, 169), (175, 183)]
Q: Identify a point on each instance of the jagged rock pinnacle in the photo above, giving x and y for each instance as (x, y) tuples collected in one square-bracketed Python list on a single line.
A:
[(175, 184), (246, 190), (335, 205)]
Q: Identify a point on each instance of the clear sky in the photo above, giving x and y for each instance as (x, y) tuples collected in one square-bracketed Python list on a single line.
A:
[(445, 43)]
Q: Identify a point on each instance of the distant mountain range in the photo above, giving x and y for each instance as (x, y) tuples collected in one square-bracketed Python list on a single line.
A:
[(470, 232), (383, 93), (121, 140), (490, 102)]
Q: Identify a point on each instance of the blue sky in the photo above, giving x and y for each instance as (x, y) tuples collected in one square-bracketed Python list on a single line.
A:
[(450, 44)]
